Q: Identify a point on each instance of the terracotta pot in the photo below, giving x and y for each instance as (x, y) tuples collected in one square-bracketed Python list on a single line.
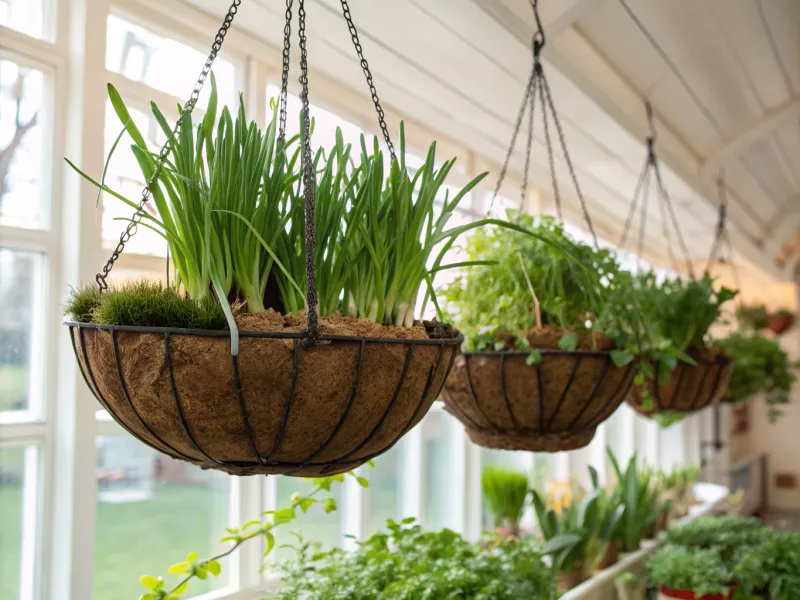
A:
[(662, 522), (610, 556), (277, 407), (665, 593), (778, 324), (555, 405), (690, 387), (570, 579), (649, 533), (507, 531)]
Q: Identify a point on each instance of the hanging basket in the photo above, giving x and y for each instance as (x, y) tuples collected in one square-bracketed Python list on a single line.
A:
[(779, 323), (276, 408), (690, 387), (551, 406)]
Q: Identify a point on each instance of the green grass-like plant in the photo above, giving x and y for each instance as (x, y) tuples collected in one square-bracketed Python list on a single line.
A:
[(505, 492), (689, 569), (760, 366), (145, 303)]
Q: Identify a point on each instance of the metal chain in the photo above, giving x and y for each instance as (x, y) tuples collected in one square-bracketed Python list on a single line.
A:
[(368, 74), (634, 204), (531, 112), (550, 155), (309, 185), (287, 41), (133, 226)]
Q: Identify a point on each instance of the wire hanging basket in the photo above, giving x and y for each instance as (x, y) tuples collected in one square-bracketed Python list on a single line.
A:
[(555, 405), (304, 403)]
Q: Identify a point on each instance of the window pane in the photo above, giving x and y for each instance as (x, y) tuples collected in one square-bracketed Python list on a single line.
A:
[(151, 512), (21, 139), (315, 526), (20, 363), (384, 497), (125, 177), (26, 16), (163, 63), (440, 432), (16, 480)]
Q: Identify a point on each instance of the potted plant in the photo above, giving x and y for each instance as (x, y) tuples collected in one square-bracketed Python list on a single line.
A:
[(760, 366), (770, 568), (537, 372), (689, 574), (681, 369), (779, 321), (505, 492), (219, 372), (610, 508), (641, 509), (577, 528)]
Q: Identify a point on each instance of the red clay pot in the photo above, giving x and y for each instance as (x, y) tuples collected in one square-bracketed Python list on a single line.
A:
[(666, 593)]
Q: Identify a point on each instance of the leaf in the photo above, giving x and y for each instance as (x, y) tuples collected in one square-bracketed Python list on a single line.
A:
[(149, 596), (249, 524), (560, 542), (568, 342), (534, 358), (152, 583), (178, 568), (270, 543), (621, 358), (306, 503), (285, 515), (213, 567), (362, 481), (180, 589), (593, 475), (330, 505), (191, 557)]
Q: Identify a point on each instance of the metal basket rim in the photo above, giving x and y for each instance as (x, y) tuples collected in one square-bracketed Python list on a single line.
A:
[(548, 351), (285, 335)]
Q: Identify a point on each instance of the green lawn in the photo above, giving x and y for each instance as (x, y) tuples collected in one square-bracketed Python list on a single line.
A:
[(13, 386), (132, 539)]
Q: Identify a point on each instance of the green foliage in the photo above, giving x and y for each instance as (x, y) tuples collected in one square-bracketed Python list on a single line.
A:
[(772, 565), (638, 495), (752, 318), (572, 282), (194, 568), (82, 303), (679, 568), (504, 491), (724, 534), (759, 366), (408, 563), (146, 303), (229, 206)]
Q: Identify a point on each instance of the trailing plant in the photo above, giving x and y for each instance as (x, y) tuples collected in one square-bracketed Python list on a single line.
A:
[(194, 568), (689, 569), (505, 492), (144, 303), (641, 507), (549, 279), (407, 563), (760, 365)]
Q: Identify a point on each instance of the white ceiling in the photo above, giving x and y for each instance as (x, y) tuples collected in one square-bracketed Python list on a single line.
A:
[(459, 67)]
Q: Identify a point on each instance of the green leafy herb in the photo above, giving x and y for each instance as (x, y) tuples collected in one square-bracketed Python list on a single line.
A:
[(504, 491)]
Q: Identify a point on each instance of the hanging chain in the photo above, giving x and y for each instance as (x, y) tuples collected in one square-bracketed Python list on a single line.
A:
[(287, 41), (524, 187), (368, 74), (133, 226), (309, 185), (665, 202)]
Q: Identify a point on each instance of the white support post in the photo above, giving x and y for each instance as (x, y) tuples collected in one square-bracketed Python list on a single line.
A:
[(472, 491), (81, 109), (459, 453), (412, 486), (353, 510)]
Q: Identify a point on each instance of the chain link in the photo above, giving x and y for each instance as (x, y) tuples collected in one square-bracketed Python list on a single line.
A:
[(287, 41), (368, 74), (309, 185), (163, 154)]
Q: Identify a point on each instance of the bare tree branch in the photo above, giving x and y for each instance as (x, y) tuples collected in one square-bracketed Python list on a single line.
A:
[(21, 129)]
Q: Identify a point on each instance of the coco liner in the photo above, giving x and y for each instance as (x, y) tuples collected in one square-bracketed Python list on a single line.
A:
[(690, 387), (276, 408), (551, 406)]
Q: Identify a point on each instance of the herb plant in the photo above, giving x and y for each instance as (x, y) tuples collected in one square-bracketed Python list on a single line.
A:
[(689, 569), (771, 566), (752, 317), (408, 563), (759, 366), (505, 492), (547, 280)]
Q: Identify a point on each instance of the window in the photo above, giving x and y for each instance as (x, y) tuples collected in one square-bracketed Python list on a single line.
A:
[(163, 63), (384, 497), (21, 145), (314, 526), (17, 519), (26, 16), (151, 512), (441, 432)]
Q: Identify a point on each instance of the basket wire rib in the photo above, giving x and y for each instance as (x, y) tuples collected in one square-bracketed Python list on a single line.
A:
[(662, 405), (544, 429), (269, 459)]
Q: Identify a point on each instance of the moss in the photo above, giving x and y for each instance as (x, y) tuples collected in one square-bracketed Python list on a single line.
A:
[(144, 304), (82, 303)]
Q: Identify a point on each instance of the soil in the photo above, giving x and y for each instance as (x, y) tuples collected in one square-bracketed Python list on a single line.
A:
[(329, 418), (547, 337)]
